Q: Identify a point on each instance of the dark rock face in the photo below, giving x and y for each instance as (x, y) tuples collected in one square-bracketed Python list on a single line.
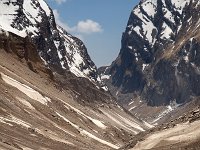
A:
[(59, 50), (159, 56)]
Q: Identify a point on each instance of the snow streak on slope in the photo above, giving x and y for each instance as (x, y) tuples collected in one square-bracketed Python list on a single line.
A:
[(26, 90), (95, 121), (15, 120), (86, 133)]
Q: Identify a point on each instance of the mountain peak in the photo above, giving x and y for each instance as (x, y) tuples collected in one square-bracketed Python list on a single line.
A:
[(156, 45), (59, 50)]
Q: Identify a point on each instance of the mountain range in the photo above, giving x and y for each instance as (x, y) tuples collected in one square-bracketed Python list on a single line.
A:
[(52, 96)]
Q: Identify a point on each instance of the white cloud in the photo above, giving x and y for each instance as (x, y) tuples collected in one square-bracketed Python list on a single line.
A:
[(60, 1), (88, 26), (83, 27)]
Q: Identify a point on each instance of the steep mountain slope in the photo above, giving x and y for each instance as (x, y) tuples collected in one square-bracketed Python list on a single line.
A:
[(58, 49), (159, 58), (36, 114)]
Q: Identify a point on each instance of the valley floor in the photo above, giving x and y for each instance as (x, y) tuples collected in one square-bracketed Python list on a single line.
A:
[(35, 114), (181, 136)]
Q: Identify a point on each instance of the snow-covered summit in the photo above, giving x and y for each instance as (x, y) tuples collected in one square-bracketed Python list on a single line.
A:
[(22, 17), (156, 18), (57, 48)]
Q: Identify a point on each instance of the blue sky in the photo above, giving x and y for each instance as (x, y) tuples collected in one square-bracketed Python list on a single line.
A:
[(99, 23)]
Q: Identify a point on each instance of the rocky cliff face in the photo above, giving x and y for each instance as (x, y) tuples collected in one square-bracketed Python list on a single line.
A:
[(59, 50), (159, 56)]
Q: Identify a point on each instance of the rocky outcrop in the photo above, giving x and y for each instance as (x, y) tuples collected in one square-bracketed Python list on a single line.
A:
[(22, 47), (159, 56)]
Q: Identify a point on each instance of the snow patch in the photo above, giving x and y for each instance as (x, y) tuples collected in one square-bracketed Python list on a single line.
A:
[(105, 88), (168, 109), (25, 102), (86, 133), (150, 7), (180, 4), (144, 66), (131, 102), (83, 132), (33, 94), (45, 7), (16, 120), (148, 125), (137, 30), (166, 32), (147, 26), (131, 108), (95, 121), (123, 122), (130, 47), (105, 76)]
